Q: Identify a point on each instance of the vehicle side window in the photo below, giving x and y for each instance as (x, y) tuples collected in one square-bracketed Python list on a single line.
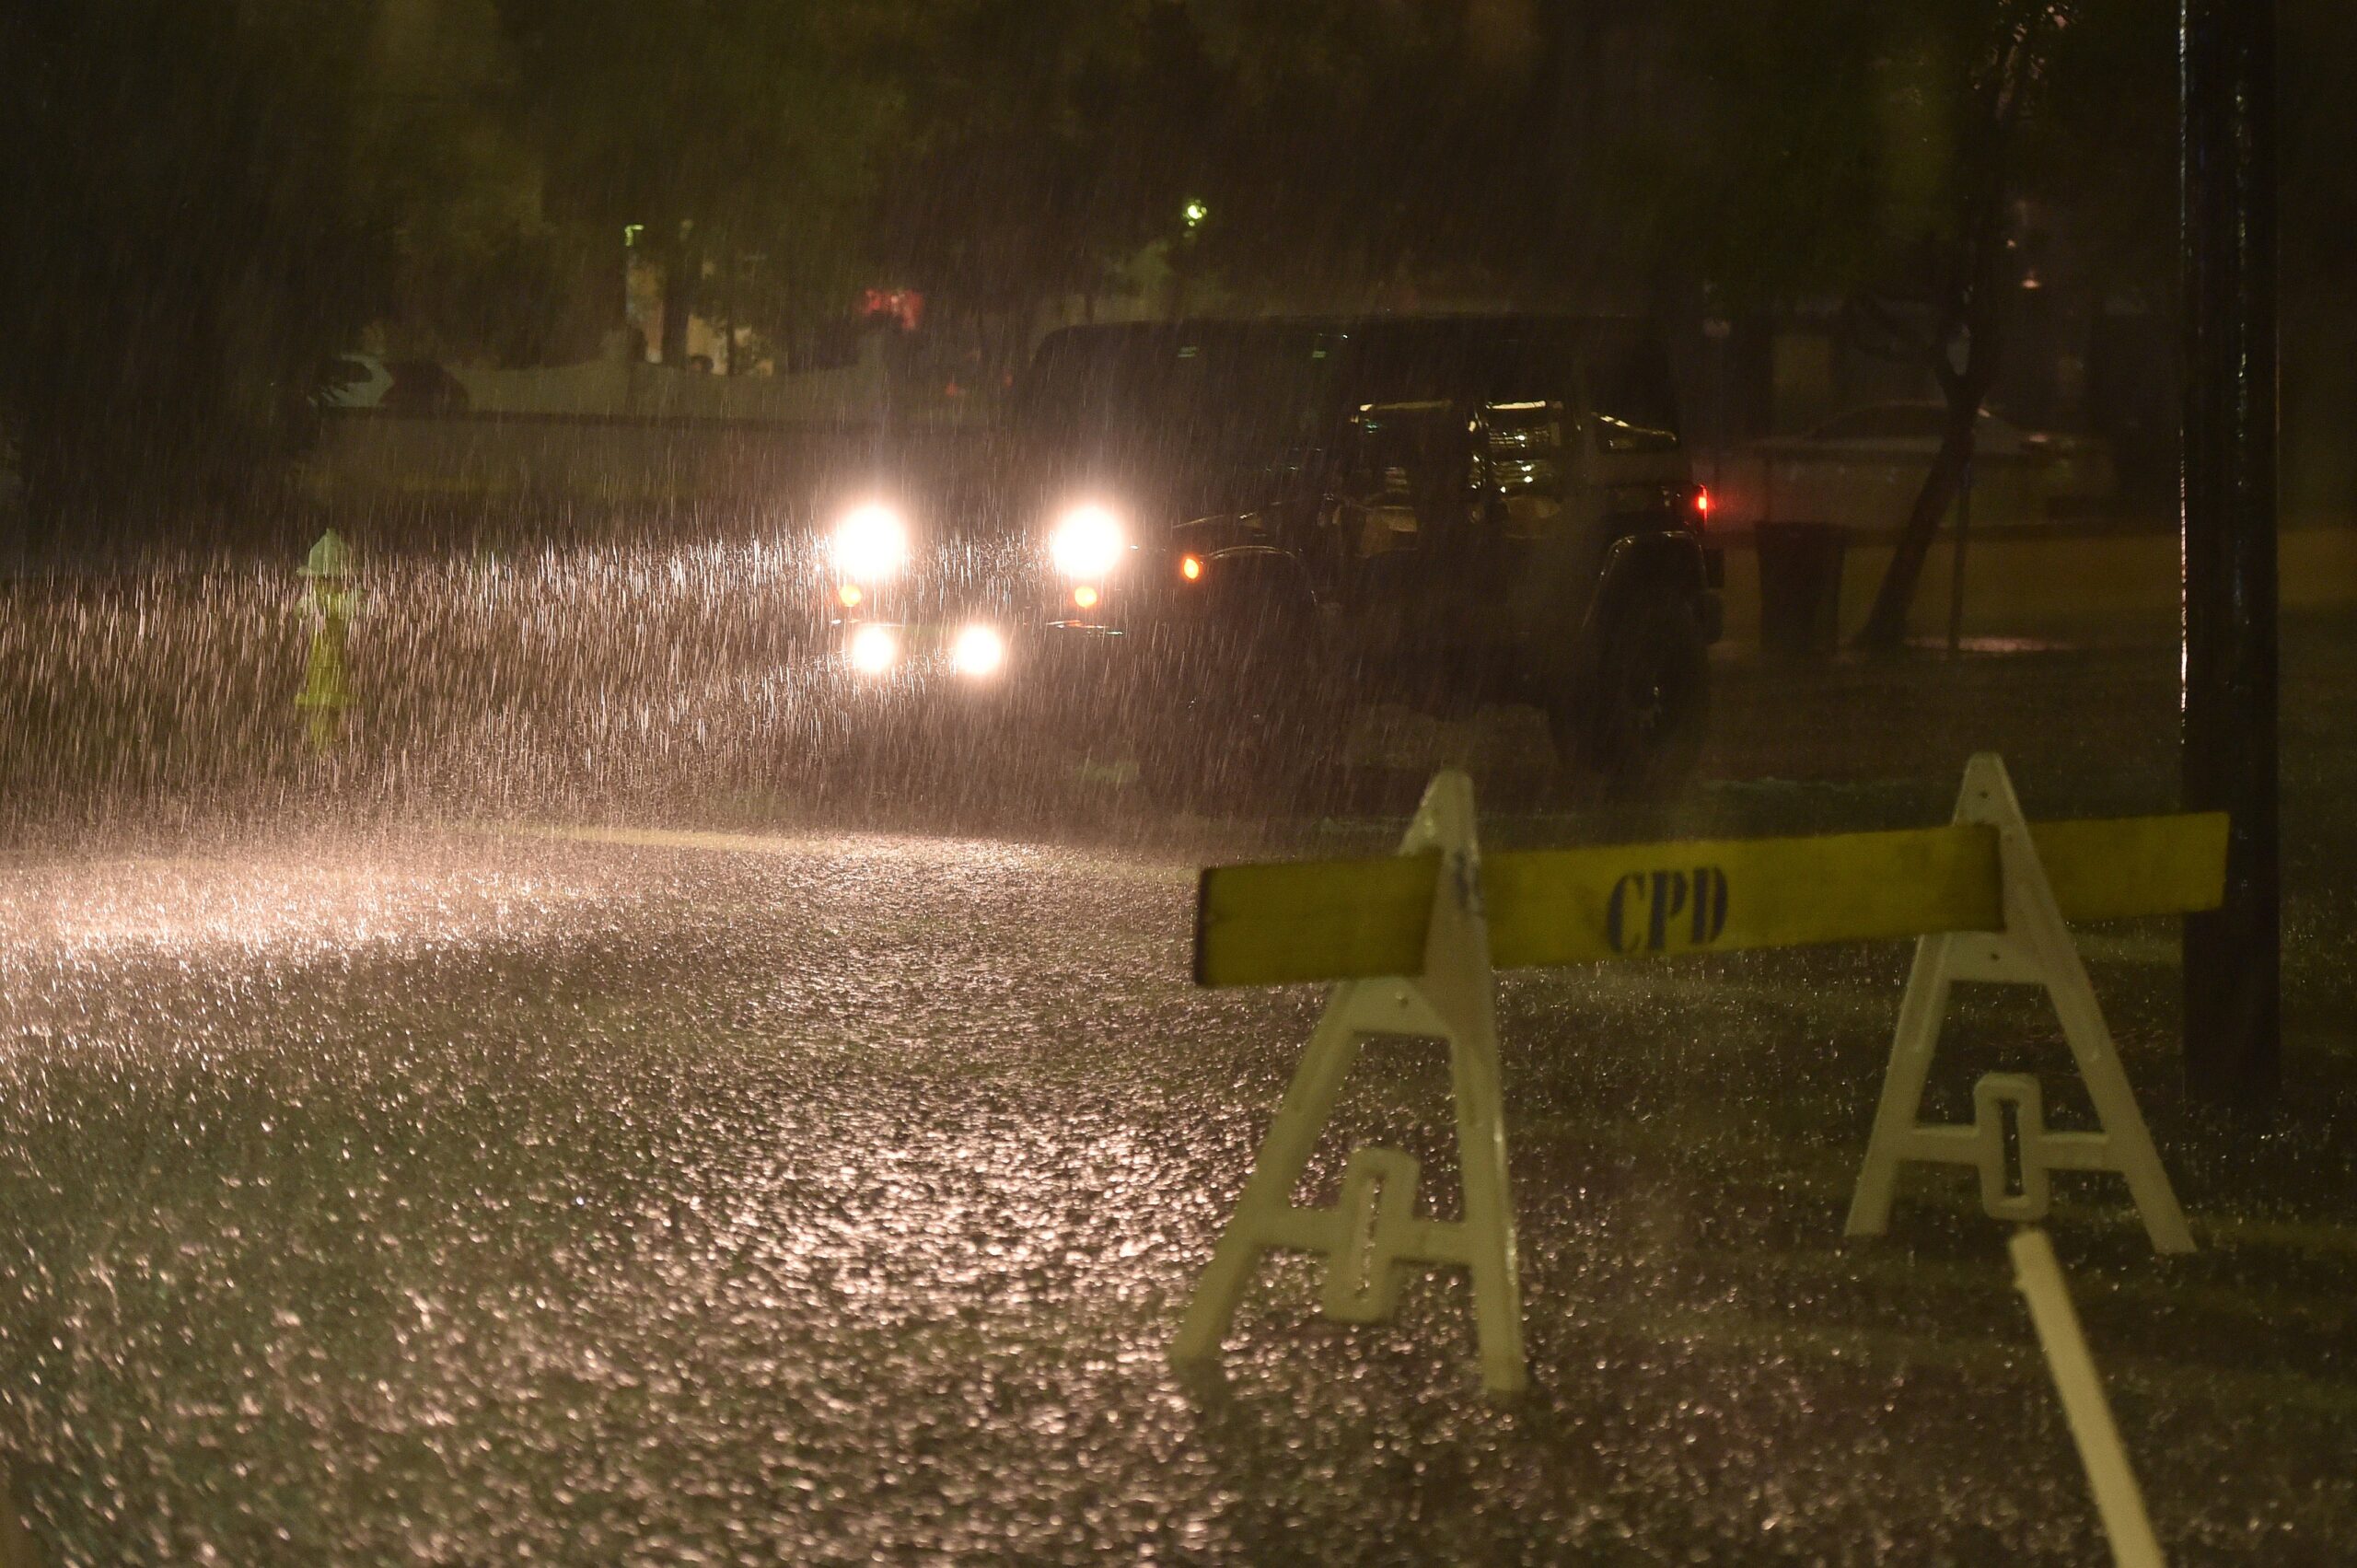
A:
[(1402, 470), (1858, 426), (1525, 452), (1911, 425), (1614, 433), (1395, 446)]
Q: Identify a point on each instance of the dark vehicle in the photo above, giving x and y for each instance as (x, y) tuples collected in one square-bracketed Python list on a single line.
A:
[(1254, 523), (1129, 437), (894, 610)]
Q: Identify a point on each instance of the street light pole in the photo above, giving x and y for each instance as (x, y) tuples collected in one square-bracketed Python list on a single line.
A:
[(2233, 954)]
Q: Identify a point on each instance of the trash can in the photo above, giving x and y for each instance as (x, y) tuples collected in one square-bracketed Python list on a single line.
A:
[(1800, 587)]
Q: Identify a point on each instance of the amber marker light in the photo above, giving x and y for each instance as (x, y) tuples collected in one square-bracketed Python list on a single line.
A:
[(1085, 597), (849, 594), (1190, 567)]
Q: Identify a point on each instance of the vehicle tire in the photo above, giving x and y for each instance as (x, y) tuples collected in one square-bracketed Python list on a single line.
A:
[(1637, 726)]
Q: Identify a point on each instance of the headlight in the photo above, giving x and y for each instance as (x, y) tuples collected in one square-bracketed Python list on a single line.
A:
[(978, 652), (871, 542), (1087, 543), (874, 649)]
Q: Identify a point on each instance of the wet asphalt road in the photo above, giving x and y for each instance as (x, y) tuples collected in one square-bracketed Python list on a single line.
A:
[(453, 1199), (377, 1190)]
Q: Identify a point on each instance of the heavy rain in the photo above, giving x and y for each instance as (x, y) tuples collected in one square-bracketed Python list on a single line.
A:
[(708, 714)]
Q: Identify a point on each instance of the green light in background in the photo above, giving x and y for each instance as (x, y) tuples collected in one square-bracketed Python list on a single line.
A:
[(1195, 213)]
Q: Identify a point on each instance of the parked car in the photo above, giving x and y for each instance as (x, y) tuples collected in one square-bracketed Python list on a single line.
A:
[(1863, 466), (396, 386)]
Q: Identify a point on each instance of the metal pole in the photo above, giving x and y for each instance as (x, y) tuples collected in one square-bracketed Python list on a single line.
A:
[(1956, 570), (2233, 956), (1718, 329)]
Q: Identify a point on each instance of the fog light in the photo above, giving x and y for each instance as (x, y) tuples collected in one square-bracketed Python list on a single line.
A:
[(978, 652), (849, 596), (1085, 597), (873, 650)]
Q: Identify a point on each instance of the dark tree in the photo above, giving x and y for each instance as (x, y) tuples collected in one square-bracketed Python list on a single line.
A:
[(1884, 153), (1051, 141), (183, 249), (716, 130), (1405, 155)]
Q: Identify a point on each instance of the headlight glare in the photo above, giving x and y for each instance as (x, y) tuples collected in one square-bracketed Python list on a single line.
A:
[(871, 542), (1088, 542), (978, 652), (874, 649)]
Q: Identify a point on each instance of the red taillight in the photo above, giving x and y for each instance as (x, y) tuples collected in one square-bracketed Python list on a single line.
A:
[(1700, 505)]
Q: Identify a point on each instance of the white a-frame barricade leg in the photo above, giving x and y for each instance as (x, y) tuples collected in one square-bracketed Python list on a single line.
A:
[(2033, 948), (1373, 1238)]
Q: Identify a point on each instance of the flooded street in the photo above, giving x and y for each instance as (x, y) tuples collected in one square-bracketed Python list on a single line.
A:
[(682, 1187), (1456, 784)]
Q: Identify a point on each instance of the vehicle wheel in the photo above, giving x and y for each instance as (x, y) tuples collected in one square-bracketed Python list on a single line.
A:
[(1638, 725)]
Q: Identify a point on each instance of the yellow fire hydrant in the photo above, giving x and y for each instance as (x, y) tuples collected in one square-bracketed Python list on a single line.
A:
[(325, 696)]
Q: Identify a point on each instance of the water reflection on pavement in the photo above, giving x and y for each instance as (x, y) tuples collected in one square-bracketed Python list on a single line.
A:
[(465, 1198)]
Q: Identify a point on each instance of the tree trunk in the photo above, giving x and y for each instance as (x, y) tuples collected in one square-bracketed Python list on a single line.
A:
[(1972, 309), (1885, 627), (728, 329)]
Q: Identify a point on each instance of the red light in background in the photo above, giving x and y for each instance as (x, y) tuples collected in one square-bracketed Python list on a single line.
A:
[(1702, 502), (904, 305)]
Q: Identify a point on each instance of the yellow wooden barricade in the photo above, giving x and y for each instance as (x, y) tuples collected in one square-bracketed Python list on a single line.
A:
[(1411, 943), (1355, 919)]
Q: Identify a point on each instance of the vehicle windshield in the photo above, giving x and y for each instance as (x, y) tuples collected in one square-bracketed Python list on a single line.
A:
[(1237, 390), (1620, 364)]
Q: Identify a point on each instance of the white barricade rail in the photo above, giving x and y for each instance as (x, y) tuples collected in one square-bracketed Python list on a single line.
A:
[(1373, 1236), (2032, 948)]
